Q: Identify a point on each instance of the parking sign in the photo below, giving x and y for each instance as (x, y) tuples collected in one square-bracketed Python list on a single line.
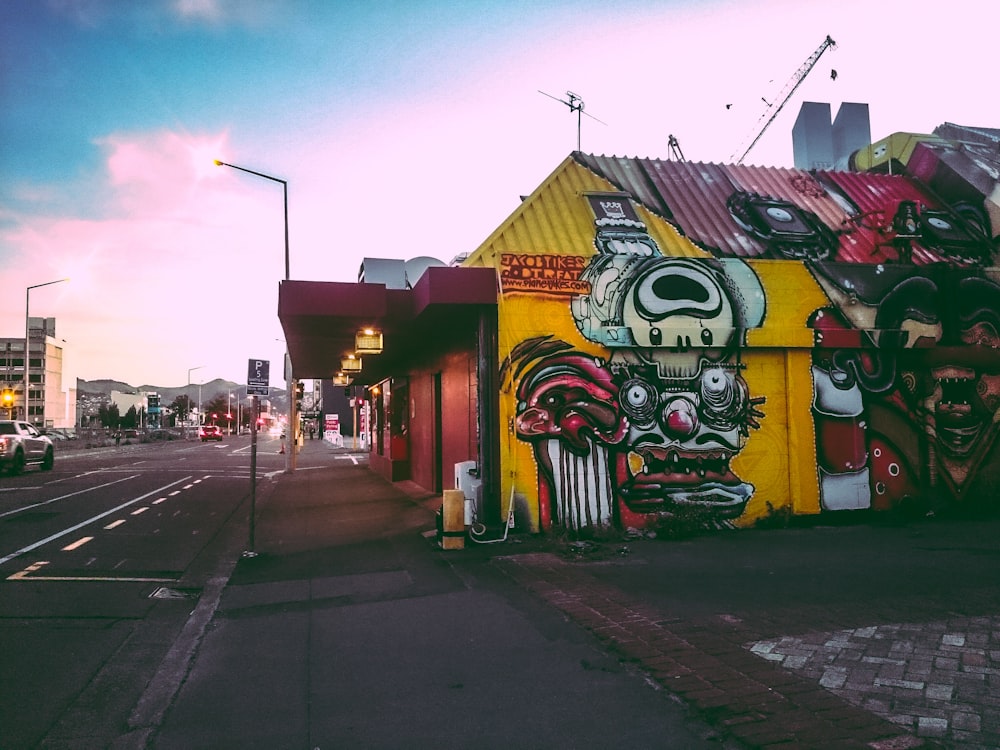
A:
[(258, 377)]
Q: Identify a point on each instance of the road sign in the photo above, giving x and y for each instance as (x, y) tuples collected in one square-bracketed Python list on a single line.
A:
[(258, 377)]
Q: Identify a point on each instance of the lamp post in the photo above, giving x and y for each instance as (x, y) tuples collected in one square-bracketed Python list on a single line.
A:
[(289, 380), (188, 420), (27, 341), (284, 185)]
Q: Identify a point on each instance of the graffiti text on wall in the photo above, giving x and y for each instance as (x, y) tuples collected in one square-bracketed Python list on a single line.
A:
[(543, 274)]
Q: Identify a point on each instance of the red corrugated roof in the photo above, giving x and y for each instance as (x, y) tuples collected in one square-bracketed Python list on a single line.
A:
[(856, 208)]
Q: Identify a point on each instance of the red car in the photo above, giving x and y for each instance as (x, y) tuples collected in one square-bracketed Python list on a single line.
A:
[(210, 432)]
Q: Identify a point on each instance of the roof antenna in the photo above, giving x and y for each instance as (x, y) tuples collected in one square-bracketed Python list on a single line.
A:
[(575, 104)]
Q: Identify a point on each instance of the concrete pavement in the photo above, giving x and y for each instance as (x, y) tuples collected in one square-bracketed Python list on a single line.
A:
[(350, 628)]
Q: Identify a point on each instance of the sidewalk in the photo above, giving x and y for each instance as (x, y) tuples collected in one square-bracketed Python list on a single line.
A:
[(351, 629)]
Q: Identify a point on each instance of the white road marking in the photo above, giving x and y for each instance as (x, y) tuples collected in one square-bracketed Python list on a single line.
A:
[(26, 575), (114, 524), (77, 544), (89, 521), (137, 511), (71, 494)]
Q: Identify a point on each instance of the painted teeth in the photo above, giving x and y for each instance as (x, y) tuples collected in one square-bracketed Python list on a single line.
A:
[(674, 463), (636, 463)]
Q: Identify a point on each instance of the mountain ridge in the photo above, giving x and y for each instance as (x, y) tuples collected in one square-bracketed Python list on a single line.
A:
[(209, 390)]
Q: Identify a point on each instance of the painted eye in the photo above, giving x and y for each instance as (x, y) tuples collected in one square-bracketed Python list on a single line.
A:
[(779, 214), (723, 397), (715, 385), (638, 399)]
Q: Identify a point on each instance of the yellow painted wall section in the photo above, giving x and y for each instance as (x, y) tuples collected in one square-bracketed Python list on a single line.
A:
[(802, 487)]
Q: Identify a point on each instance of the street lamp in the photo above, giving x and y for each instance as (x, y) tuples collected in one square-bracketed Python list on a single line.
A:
[(189, 399), (239, 410), (27, 342), (284, 185), (289, 378)]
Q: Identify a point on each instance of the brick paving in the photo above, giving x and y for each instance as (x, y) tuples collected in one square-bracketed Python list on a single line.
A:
[(937, 679), (748, 688)]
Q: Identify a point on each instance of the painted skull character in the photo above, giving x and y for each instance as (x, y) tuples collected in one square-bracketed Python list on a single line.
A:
[(651, 430)]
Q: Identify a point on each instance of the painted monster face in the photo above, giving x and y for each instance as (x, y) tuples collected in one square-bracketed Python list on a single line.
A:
[(623, 436), (654, 429), (683, 433)]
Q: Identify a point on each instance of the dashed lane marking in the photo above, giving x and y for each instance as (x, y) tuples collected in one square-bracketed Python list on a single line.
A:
[(78, 543), (82, 524), (71, 494)]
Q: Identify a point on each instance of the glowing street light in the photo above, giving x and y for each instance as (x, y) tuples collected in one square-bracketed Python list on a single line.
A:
[(284, 185), (27, 342), (290, 458)]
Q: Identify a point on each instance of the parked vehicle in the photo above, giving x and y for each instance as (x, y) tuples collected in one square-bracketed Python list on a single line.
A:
[(57, 433), (21, 444), (210, 432)]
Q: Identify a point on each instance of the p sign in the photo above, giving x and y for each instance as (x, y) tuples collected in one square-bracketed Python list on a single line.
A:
[(258, 377)]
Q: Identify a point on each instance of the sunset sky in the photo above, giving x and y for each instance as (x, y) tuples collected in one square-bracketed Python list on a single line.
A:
[(403, 128)]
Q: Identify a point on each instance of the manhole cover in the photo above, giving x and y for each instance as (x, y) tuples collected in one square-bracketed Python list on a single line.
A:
[(165, 592)]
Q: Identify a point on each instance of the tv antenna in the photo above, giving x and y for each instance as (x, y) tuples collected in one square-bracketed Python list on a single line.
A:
[(575, 104), (675, 147)]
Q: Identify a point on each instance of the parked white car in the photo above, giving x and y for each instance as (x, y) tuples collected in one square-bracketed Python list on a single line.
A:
[(21, 444)]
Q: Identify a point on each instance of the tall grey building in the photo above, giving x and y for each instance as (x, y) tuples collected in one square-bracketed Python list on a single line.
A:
[(819, 143)]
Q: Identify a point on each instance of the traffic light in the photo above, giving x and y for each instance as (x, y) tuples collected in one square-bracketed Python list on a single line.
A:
[(300, 390), (7, 401)]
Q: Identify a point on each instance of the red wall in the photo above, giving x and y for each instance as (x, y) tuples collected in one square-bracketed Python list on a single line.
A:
[(458, 419)]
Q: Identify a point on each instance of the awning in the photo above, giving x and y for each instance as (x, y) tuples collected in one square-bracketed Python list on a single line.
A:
[(321, 318)]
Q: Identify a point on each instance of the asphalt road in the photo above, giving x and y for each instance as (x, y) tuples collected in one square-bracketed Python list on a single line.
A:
[(101, 561)]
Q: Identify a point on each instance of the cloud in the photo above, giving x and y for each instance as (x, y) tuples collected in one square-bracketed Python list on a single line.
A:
[(178, 262), (208, 10)]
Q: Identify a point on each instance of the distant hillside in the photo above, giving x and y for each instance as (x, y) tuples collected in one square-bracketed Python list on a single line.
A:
[(101, 389)]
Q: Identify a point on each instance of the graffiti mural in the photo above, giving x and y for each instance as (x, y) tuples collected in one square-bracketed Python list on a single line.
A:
[(918, 404), (651, 429), (760, 341)]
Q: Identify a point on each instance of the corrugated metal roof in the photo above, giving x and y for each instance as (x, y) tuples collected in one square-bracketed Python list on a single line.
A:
[(854, 211), (550, 221)]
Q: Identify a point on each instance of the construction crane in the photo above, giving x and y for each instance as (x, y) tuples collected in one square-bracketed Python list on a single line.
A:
[(774, 107)]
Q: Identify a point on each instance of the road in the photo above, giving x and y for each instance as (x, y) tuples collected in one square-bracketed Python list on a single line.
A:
[(103, 561)]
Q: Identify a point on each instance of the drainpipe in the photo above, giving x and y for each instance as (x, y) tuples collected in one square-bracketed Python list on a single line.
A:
[(488, 407)]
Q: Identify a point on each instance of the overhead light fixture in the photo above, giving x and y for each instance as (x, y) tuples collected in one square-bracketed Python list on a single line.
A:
[(341, 379), (350, 363), (368, 341)]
